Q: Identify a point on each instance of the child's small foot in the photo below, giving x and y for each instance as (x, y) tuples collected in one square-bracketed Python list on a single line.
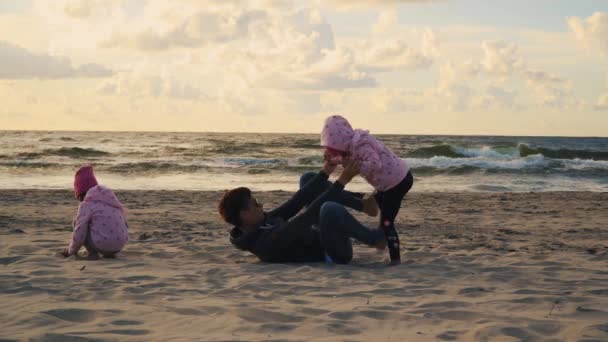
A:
[(395, 262), (370, 207)]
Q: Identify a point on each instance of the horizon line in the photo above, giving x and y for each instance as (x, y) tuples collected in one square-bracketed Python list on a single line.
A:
[(270, 132)]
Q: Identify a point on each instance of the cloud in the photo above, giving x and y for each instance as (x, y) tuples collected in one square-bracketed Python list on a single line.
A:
[(144, 84), (541, 77), (387, 19), (500, 57), (458, 84), (497, 97), (387, 100), (602, 102), (453, 73), (591, 32), (294, 52), (456, 97), (280, 47), (19, 63), (357, 4), (391, 55), (550, 90), (191, 28), (82, 8), (430, 45)]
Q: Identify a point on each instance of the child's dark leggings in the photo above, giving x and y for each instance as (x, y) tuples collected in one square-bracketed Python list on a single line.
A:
[(389, 203)]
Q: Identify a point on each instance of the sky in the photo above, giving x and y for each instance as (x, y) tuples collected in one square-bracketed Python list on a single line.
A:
[(390, 66)]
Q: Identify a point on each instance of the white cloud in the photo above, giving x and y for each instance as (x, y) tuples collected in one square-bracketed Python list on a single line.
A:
[(430, 43), (458, 84), (79, 9), (453, 73), (387, 20), (144, 84), (287, 50), (19, 63), (500, 57), (197, 29), (387, 100), (357, 4), (267, 43), (550, 90), (497, 97), (298, 52), (455, 97), (602, 102), (592, 32), (541, 77), (454, 90), (391, 55), (85, 8), (279, 56)]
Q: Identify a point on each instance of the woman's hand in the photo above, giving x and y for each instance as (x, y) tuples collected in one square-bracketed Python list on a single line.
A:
[(351, 169)]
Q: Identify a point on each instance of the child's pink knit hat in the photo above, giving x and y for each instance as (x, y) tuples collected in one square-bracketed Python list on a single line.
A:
[(84, 180)]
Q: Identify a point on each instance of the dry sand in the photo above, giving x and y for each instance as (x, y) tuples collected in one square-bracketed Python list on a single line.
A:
[(477, 267)]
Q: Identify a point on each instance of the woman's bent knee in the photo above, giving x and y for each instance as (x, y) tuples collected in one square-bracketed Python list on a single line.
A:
[(329, 209), (306, 177)]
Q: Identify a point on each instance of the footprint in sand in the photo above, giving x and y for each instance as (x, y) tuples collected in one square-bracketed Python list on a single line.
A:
[(501, 332), (126, 322), (518, 333), (73, 315), (474, 291), (459, 315), (342, 328), (313, 311), (447, 305), (45, 273), (50, 337), (138, 278), (545, 328), (132, 332), (449, 335), (276, 327), (264, 316), (600, 292), (10, 260)]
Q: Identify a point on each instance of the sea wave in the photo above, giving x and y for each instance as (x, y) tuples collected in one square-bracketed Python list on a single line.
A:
[(505, 152)]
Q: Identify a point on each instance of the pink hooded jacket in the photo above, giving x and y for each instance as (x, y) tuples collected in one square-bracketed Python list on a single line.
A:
[(379, 165), (103, 217)]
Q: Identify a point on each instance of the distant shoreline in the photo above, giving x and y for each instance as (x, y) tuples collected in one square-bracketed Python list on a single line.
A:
[(311, 133)]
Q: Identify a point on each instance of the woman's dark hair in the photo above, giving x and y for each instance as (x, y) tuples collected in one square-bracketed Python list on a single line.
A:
[(232, 203)]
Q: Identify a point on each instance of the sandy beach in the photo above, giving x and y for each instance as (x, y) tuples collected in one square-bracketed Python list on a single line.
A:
[(477, 267)]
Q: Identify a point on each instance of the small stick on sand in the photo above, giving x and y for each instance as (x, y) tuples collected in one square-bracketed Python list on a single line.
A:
[(555, 302)]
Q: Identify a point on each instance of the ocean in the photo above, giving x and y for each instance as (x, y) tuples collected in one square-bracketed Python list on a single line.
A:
[(218, 161)]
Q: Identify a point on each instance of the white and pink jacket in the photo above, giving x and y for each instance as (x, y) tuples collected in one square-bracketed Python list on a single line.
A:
[(102, 218), (379, 165)]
